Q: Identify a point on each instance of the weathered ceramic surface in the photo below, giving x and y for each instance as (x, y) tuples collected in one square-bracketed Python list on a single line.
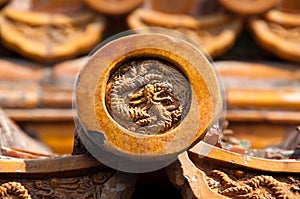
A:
[(58, 34), (16, 143), (201, 174), (257, 102), (39, 98), (28, 170), (174, 6), (28, 84), (248, 7), (245, 161), (279, 32), (255, 110), (187, 7), (76, 176), (262, 100), (261, 85), (114, 7), (92, 92), (215, 32)]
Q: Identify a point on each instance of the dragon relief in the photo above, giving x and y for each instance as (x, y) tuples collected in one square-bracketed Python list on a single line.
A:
[(148, 96)]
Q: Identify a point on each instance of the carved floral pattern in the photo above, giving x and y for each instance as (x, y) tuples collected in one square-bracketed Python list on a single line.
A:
[(16, 189), (213, 179), (242, 184), (74, 187)]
